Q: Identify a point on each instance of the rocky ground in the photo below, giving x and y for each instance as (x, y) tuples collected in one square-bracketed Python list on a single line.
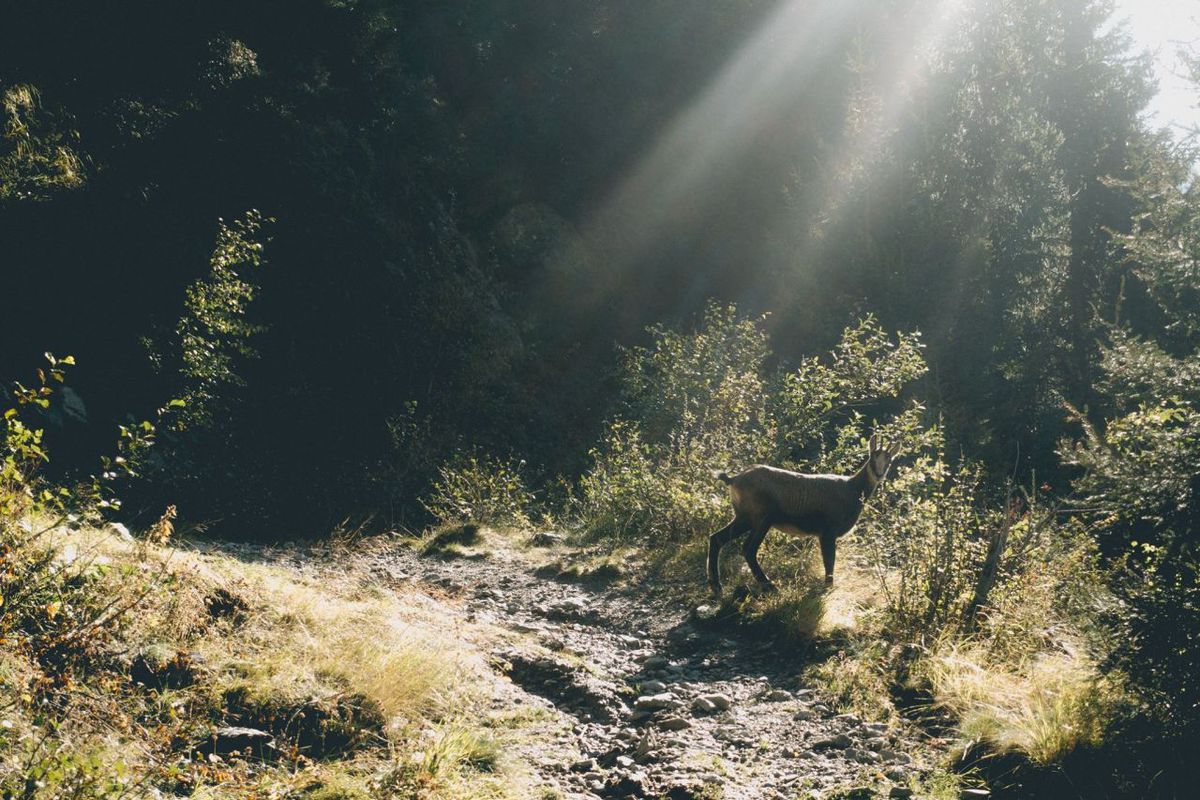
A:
[(660, 703)]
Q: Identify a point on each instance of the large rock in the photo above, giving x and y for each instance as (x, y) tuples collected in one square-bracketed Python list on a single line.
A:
[(546, 539), (656, 702), (722, 702)]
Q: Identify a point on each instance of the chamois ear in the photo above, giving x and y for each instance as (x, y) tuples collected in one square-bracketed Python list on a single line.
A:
[(893, 450), (873, 444)]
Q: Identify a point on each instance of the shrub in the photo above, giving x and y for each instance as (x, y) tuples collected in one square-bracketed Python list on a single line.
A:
[(480, 489), (706, 400), (1141, 496)]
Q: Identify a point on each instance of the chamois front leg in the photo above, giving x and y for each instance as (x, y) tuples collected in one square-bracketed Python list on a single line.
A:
[(750, 551), (828, 555), (715, 543)]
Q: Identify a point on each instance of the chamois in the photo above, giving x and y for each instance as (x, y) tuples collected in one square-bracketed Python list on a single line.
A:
[(825, 506)]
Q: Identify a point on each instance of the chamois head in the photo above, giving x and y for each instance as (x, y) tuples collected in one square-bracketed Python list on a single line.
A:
[(879, 459)]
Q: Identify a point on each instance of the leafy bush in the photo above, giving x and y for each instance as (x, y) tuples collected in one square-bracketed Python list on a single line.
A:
[(480, 489), (1141, 494), (706, 400), (924, 533), (21, 450), (200, 454), (214, 336)]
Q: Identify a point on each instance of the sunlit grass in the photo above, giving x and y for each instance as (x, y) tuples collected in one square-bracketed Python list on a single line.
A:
[(312, 643), (1045, 710), (383, 676)]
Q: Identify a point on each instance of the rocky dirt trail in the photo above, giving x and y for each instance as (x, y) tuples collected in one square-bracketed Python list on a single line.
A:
[(660, 703)]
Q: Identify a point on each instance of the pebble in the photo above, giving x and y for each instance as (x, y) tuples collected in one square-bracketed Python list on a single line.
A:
[(900, 792), (862, 756), (674, 724), (839, 742), (655, 662), (654, 687), (702, 705), (804, 715), (586, 765), (778, 696)]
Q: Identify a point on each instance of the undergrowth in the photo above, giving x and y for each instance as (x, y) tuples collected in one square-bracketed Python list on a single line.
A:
[(363, 694)]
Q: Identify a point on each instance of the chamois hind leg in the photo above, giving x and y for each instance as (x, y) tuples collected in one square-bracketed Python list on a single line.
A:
[(828, 555), (718, 540), (750, 551)]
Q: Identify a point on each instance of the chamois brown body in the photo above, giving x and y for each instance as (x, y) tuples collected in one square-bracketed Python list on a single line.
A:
[(824, 506)]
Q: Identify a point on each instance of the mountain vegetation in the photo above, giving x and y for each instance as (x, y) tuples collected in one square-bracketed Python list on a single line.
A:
[(329, 269)]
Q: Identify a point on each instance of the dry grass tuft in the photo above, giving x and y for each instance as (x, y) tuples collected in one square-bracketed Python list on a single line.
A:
[(1046, 709)]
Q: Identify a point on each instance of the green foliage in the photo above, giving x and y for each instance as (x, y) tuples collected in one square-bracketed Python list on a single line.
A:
[(214, 334), (1141, 495), (56, 770), (926, 533), (706, 389), (480, 489), (38, 154), (950, 560), (865, 367), (706, 400), (1163, 248), (1138, 485), (21, 450)]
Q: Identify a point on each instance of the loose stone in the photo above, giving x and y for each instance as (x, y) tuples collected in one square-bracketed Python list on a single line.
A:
[(656, 702), (839, 742), (723, 702), (674, 724)]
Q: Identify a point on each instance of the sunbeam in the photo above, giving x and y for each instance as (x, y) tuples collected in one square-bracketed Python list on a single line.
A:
[(707, 139), (680, 179)]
